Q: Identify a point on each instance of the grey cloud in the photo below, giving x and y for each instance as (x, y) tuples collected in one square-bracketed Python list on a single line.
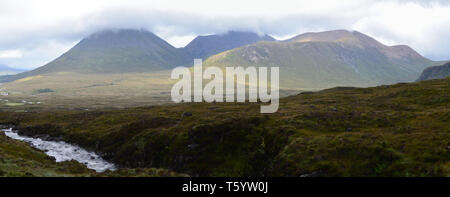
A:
[(33, 41)]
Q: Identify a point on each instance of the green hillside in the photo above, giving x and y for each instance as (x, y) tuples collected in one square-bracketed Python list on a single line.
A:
[(396, 130), (329, 59)]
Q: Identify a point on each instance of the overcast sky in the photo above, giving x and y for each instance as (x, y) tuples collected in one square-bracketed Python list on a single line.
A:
[(33, 33)]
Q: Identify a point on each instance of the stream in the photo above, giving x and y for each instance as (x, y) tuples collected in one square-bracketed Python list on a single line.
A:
[(63, 151)]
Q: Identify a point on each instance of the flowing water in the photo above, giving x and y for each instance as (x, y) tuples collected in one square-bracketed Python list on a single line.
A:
[(63, 151)]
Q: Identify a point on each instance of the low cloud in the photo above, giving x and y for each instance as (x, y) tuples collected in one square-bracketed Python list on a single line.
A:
[(42, 30)]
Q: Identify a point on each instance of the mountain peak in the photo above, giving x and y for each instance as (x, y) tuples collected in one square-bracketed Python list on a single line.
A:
[(358, 39), (205, 46), (325, 36)]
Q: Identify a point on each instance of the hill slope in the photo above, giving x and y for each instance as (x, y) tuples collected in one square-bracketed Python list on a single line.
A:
[(397, 130), (329, 59), (435, 72), (114, 51), (205, 46)]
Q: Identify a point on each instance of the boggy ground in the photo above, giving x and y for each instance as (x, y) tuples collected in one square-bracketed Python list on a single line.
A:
[(18, 159), (397, 130)]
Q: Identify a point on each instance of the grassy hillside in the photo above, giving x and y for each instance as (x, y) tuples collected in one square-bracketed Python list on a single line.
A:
[(397, 130), (323, 60), (86, 91)]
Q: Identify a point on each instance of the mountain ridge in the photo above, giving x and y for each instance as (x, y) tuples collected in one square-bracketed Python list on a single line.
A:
[(356, 38), (135, 51), (205, 46)]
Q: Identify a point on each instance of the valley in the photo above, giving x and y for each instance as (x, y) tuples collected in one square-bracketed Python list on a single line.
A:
[(129, 68)]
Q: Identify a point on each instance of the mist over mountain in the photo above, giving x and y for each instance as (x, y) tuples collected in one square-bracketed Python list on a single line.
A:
[(205, 46), (329, 59), (435, 72)]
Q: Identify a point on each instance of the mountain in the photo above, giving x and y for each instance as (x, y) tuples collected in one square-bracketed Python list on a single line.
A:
[(6, 70), (117, 51), (435, 72), (321, 60), (205, 46), (134, 51), (309, 61), (114, 51)]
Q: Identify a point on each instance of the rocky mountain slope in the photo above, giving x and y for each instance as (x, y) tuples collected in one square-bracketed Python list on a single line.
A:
[(435, 72)]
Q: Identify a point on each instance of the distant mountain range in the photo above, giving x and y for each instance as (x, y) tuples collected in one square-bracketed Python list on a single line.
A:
[(308, 61), (328, 59), (435, 72), (6, 70), (136, 51)]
